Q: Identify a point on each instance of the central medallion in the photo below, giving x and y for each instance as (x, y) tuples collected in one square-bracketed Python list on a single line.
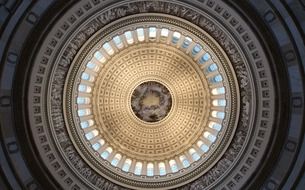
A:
[(151, 101)]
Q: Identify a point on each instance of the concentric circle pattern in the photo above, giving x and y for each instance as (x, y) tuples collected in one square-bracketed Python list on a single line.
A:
[(150, 94), (190, 81)]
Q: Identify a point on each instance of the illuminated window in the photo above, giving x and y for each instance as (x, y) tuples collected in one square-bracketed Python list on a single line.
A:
[(138, 168), (194, 154), (118, 42), (129, 37), (150, 169), (115, 161), (108, 48), (184, 161), (91, 134), (216, 79), (126, 165), (152, 32), (84, 112), (202, 146), (86, 124), (186, 43), (91, 65), (220, 102), (162, 169), (209, 136), (87, 77), (83, 100), (215, 126), (164, 32), (173, 165), (100, 57), (140, 32), (218, 114), (197, 48), (99, 144), (84, 88), (206, 56), (217, 91), (176, 37), (213, 67), (106, 153)]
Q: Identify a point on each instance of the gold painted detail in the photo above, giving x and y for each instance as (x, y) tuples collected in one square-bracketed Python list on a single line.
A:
[(155, 141), (184, 121)]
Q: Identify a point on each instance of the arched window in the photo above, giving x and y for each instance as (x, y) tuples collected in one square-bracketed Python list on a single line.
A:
[(140, 33), (100, 57), (126, 165), (150, 169), (204, 58), (118, 42), (92, 66), (91, 134), (106, 153), (162, 169), (215, 126), (115, 161), (108, 48), (194, 154), (197, 48), (83, 100), (84, 88), (129, 38), (202, 146), (152, 32), (217, 91), (86, 124), (164, 34), (186, 43), (184, 161), (138, 168), (209, 136), (176, 37), (83, 112), (85, 76), (213, 67), (218, 114), (220, 102), (98, 145), (173, 165), (216, 79)]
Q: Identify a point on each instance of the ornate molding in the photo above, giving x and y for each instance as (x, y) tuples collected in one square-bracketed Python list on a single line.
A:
[(246, 63)]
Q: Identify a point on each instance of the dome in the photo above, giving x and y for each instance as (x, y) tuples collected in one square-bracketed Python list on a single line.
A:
[(154, 93), (151, 94)]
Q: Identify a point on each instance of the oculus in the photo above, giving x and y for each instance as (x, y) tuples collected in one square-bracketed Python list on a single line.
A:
[(151, 101)]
